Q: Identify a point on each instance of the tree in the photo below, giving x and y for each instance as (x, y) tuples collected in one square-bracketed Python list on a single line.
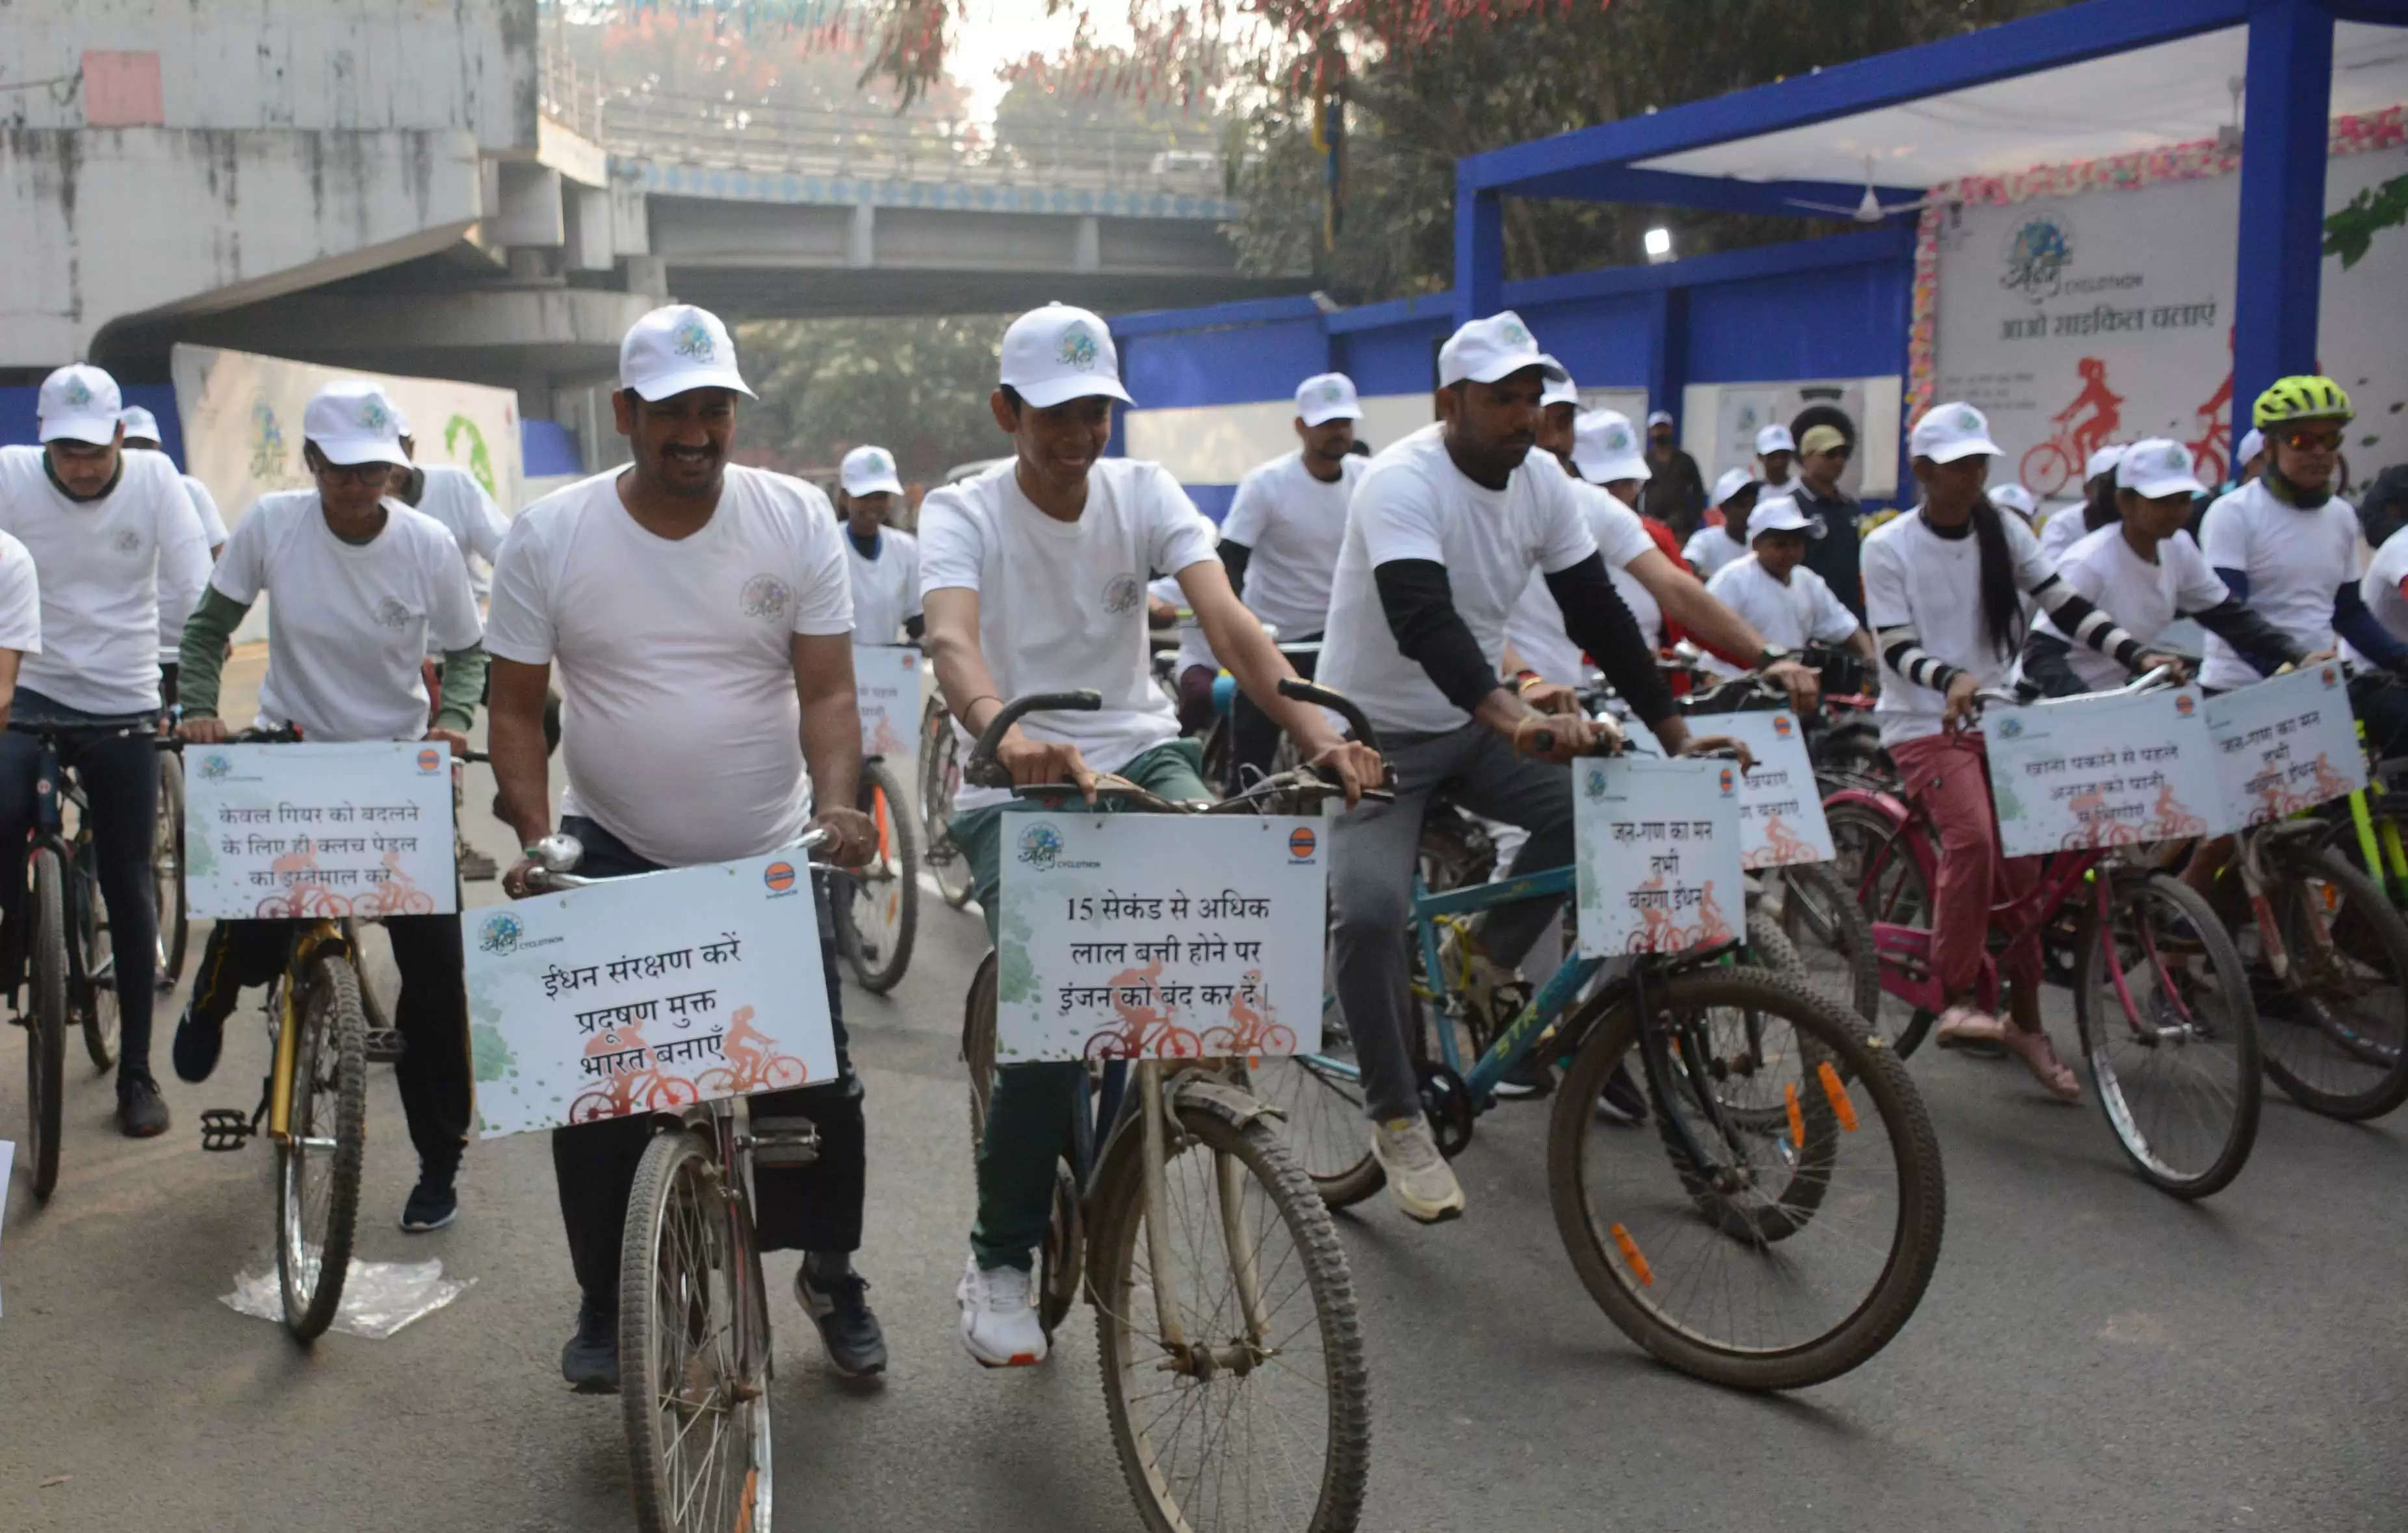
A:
[(2351, 230), (917, 386)]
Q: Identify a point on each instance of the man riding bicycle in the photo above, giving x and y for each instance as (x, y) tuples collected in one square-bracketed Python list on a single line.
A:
[(122, 560), (1033, 575)]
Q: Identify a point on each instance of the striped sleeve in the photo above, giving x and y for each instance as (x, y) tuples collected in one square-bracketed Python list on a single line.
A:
[(1903, 649), (2085, 622)]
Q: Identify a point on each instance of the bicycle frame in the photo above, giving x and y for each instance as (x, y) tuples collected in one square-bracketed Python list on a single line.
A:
[(308, 943)]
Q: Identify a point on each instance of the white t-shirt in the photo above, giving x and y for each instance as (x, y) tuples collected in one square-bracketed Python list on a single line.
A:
[(1194, 648), (119, 577), (679, 725), (1414, 503), (20, 598), (1295, 524), (1788, 615), (454, 498), (348, 623), (2143, 598), (1710, 548), (1061, 605), (2061, 531), (2295, 560), (2379, 589), (1536, 625), (885, 589), (1915, 576)]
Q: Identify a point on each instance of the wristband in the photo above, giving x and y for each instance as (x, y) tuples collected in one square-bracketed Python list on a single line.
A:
[(982, 696), (1525, 680)]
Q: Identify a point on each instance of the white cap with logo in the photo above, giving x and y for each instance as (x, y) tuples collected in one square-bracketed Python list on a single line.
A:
[(79, 402), (1326, 396), (2103, 461), (2014, 498), (1731, 483), (140, 424), (2157, 467), (1559, 391), (1490, 349), (675, 348), (1779, 513), (869, 470), (1606, 450), (1057, 353), (1774, 439), (1950, 432), (349, 421)]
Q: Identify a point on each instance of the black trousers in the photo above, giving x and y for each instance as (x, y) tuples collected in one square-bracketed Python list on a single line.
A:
[(807, 1208), (432, 1016), (120, 773), (1254, 734)]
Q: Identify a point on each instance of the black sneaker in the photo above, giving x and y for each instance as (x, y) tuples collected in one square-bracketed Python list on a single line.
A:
[(1530, 1077), (432, 1204), (195, 1049), (837, 1303), (1621, 1101), (140, 1113), (590, 1361)]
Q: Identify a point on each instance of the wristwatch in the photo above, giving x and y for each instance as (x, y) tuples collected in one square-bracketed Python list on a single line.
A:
[(1773, 654)]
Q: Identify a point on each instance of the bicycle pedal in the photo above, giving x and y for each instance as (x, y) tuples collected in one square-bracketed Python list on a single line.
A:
[(784, 1141), (225, 1128), (385, 1046)]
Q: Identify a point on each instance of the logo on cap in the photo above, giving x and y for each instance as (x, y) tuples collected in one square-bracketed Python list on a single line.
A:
[(1078, 349), (875, 461), (76, 393), (1332, 391), (1968, 421), (1618, 439), (1514, 335), (374, 415), (693, 339)]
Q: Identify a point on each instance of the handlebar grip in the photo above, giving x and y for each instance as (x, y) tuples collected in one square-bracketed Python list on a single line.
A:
[(981, 769), (1298, 691)]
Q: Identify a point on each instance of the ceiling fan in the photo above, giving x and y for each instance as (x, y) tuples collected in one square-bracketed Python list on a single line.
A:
[(1871, 209)]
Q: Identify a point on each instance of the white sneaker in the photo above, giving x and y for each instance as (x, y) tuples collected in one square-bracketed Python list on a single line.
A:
[(999, 1325), (1419, 1178)]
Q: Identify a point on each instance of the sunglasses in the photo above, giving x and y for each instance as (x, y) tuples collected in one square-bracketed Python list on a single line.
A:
[(2305, 440), (355, 473)]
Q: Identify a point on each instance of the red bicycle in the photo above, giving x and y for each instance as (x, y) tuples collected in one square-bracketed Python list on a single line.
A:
[(2160, 997)]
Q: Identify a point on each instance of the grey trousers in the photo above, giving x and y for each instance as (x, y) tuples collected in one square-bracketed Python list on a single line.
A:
[(1371, 884)]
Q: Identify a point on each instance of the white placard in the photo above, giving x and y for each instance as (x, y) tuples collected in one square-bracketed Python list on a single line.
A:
[(886, 685), (1159, 935), (2285, 744), (647, 995), (7, 1156), (2103, 772), (319, 829), (1658, 854), (1780, 808)]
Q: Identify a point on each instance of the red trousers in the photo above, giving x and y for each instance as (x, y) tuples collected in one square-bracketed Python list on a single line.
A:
[(1951, 778)]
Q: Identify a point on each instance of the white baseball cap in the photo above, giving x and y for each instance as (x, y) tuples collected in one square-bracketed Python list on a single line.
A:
[(1774, 439), (1559, 391), (2251, 445), (869, 470), (1326, 396), (2103, 461), (1731, 483), (1778, 514), (2156, 467), (1497, 347), (2014, 498), (1057, 353), (79, 402), (679, 347), (1658, 417), (351, 422), (1605, 449), (400, 418), (1950, 432), (140, 424)]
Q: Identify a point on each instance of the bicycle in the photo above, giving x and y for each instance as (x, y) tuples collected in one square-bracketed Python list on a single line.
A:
[(693, 1312), (167, 869), (2162, 1002), (877, 910), (1159, 1184), (941, 779), (1760, 1090)]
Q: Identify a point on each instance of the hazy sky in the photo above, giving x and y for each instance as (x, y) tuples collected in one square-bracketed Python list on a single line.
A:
[(999, 31)]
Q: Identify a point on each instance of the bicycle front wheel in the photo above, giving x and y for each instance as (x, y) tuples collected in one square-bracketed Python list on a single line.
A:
[(2162, 1002), (941, 778), (693, 1377), (877, 908), (46, 1020), (318, 1165), (2332, 1031), (1260, 1419), (167, 871), (1781, 1225)]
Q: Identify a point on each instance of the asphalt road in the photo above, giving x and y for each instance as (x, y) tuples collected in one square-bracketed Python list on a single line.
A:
[(2091, 1354)]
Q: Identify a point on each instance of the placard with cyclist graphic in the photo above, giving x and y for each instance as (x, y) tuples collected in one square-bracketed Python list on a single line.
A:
[(1130, 936), (1659, 859), (303, 829), (2288, 743), (1780, 809), (647, 995), (2104, 772), (886, 687)]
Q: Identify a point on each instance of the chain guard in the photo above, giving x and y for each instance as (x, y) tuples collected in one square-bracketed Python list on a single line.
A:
[(1447, 1104)]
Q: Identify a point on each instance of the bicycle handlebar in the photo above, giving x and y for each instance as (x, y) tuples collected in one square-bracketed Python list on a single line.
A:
[(981, 769), (557, 853), (2148, 681), (1298, 691)]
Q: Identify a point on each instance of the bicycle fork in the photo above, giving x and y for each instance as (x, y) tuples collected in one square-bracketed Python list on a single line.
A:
[(1205, 1361)]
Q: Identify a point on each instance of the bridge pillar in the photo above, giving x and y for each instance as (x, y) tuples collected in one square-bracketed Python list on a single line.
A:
[(1087, 249), (860, 239)]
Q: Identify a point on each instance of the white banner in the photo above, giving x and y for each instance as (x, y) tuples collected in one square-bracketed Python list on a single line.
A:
[(2285, 744), (647, 995), (886, 687), (1658, 854), (2104, 772), (1780, 809), (1160, 936), (2107, 317), (319, 829)]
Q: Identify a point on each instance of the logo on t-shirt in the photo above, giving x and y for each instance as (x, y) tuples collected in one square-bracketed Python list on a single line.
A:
[(693, 339), (1040, 844), (766, 596), (1121, 593), (390, 614), (1078, 349), (129, 541)]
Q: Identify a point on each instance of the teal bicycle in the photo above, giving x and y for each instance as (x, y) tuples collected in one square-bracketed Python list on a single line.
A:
[(1773, 1219)]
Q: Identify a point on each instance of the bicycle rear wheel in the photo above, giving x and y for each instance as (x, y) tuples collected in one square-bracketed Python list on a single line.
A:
[(2162, 1004), (1262, 1420), (1876, 864), (693, 1377), (167, 871), (1834, 938), (941, 778), (1799, 1235), (318, 1165), (2332, 1031), (877, 908), (46, 1020), (95, 990)]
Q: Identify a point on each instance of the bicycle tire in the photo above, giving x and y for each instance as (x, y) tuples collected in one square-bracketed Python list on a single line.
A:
[(372, 959), (1820, 918), (676, 1209), (167, 872), (1124, 1306), (1890, 889), (2193, 1177), (1326, 1131), (1610, 1271), (940, 772), (332, 1048), (46, 1042), (2378, 940), (879, 976), (95, 969)]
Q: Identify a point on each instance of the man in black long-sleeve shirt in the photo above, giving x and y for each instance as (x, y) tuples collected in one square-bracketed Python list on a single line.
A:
[(1440, 540)]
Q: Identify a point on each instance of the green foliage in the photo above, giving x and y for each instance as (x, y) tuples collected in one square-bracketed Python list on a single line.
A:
[(2351, 230), (917, 386)]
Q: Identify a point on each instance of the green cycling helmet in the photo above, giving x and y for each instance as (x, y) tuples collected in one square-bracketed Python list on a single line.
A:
[(2303, 398)]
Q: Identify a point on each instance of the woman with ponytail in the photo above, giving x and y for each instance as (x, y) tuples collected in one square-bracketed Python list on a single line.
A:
[(1943, 593)]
